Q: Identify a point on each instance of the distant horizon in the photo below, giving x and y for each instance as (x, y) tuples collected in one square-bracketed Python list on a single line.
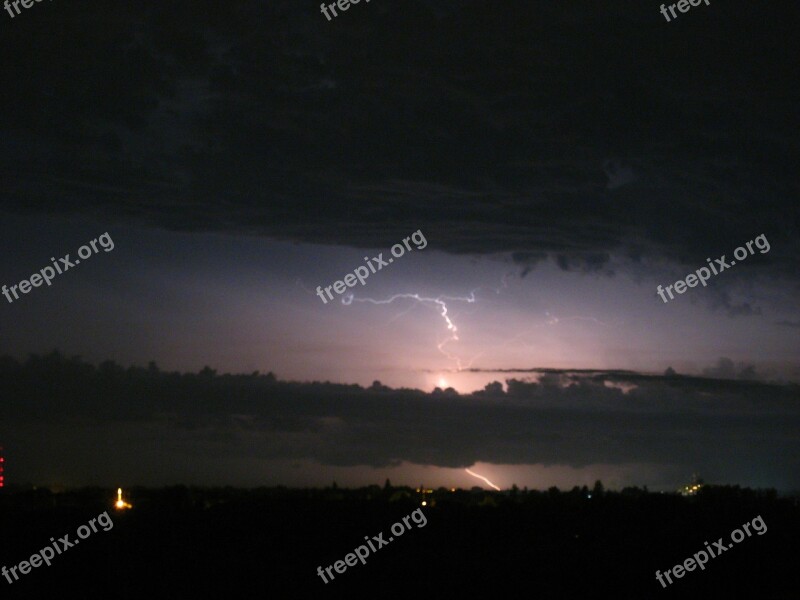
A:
[(730, 377), (59, 489)]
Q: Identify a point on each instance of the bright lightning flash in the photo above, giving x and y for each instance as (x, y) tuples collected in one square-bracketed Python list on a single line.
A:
[(439, 302), (483, 478)]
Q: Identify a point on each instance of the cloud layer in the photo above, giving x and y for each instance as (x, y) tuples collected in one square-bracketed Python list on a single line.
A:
[(533, 129), (733, 429)]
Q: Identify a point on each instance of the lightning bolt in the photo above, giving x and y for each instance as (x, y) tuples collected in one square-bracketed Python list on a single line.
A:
[(483, 478), (441, 305)]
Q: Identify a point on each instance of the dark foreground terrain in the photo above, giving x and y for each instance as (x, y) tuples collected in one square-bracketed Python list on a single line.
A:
[(267, 543)]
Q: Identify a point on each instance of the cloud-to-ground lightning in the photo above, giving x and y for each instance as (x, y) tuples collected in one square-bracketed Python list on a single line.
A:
[(483, 478), (442, 306)]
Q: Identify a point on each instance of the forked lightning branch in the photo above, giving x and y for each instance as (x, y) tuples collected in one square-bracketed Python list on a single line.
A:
[(361, 273)]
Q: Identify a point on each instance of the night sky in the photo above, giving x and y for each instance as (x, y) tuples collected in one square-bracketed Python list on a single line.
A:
[(560, 160)]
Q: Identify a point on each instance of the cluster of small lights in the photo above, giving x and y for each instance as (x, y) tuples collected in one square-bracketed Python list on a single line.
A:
[(690, 490), (425, 492)]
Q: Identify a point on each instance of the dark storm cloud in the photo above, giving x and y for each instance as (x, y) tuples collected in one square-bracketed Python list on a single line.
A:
[(567, 417), (531, 128)]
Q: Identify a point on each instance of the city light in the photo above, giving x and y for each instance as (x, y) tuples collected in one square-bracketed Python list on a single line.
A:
[(120, 504)]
